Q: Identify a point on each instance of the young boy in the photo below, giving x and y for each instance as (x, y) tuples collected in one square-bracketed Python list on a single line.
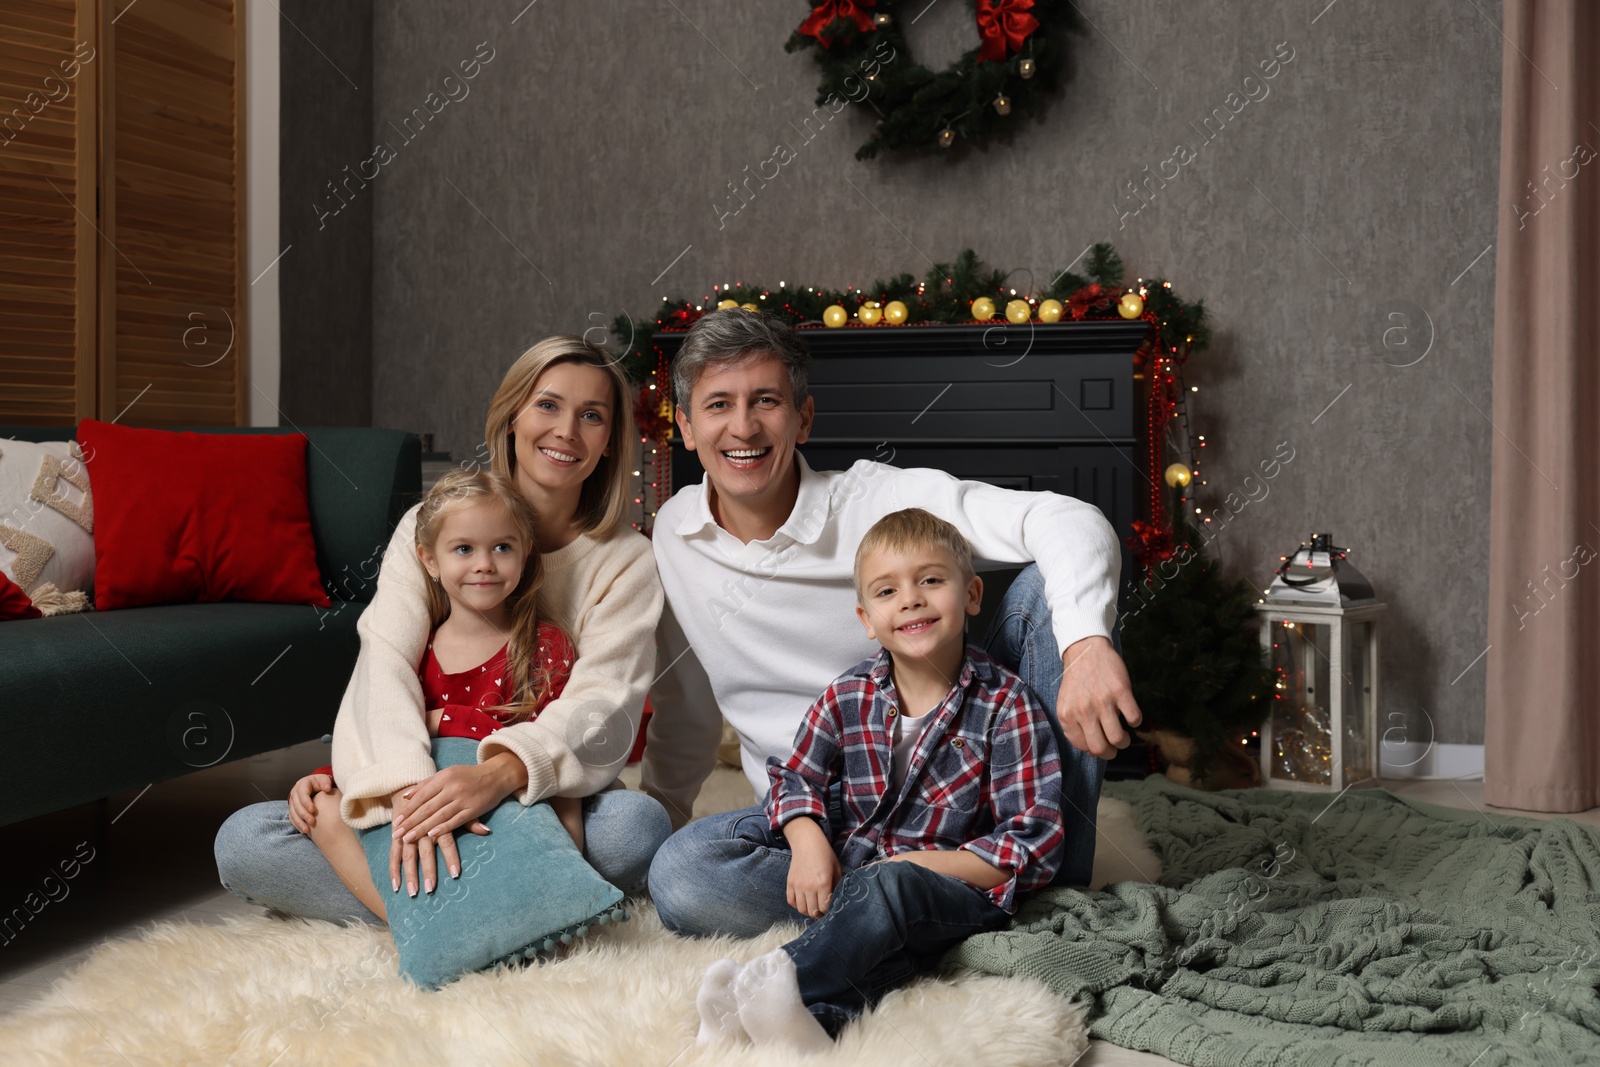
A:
[(946, 787)]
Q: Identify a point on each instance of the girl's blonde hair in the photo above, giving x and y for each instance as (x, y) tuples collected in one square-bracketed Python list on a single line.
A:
[(458, 489), (607, 492)]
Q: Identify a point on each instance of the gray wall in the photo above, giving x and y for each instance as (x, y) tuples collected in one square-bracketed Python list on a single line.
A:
[(593, 151), (325, 287)]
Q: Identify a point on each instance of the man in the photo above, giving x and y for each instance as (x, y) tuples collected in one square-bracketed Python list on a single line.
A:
[(756, 562)]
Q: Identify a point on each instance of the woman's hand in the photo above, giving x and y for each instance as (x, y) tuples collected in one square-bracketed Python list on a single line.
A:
[(302, 812), (434, 718), (409, 858), (452, 797)]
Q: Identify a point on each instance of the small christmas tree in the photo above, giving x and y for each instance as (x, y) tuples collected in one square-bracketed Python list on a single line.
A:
[(1191, 644)]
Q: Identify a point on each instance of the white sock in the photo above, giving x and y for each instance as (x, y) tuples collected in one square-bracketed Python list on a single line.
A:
[(770, 1008), (719, 1009)]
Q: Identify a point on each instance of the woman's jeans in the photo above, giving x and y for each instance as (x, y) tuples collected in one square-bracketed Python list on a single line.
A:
[(264, 860), (720, 875)]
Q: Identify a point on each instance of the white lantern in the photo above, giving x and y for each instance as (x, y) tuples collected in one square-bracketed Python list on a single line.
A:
[(1319, 630)]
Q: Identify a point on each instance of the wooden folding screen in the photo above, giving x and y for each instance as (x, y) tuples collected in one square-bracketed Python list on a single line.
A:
[(48, 159), (128, 304)]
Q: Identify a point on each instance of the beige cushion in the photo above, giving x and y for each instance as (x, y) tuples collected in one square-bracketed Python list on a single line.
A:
[(46, 516)]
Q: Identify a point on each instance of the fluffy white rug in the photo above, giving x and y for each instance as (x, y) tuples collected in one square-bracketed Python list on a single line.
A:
[(261, 990)]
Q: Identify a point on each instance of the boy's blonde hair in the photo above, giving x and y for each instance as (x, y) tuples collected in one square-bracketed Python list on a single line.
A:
[(457, 489), (900, 531)]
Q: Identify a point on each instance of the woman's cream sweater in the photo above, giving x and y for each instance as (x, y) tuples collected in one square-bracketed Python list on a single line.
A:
[(606, 594)]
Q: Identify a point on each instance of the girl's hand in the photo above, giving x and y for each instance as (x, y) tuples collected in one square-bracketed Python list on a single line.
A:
[(302, 812), (434, 718)]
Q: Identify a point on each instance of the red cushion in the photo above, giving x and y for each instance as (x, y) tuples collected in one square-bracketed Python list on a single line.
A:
[(182, 517), (14, 603)]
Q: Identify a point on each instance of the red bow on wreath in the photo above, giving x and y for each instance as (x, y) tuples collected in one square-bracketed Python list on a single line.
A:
[(825, 13), (1004, 25)]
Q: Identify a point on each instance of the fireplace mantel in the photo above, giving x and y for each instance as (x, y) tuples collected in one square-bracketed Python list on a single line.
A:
[(1037, 406)]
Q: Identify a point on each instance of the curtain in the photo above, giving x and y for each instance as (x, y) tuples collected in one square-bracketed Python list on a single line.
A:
[(1542, 726)]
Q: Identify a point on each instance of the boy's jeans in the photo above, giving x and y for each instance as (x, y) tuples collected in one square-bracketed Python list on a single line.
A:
[(722, 875), (887, 921)]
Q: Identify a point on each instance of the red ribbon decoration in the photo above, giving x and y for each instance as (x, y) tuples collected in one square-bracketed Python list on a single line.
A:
[(825, 13), (1004, 25)]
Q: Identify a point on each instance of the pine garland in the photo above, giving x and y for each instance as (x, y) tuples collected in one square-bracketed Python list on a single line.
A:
[(861, 49)]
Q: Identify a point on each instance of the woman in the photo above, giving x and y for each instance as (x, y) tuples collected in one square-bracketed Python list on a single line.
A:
[(561, 427)]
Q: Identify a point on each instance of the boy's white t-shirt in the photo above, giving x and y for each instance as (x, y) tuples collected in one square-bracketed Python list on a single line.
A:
[(906, 732)]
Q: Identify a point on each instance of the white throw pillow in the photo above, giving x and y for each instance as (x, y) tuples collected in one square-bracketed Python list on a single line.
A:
[(46, 516)]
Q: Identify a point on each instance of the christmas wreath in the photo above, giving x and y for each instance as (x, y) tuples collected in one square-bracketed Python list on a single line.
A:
[(861, 47)]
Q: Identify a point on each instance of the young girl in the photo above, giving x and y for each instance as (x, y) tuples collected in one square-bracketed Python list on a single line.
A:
[(490, 662)]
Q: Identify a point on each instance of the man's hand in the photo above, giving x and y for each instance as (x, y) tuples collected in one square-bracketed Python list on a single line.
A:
[(1094, 687), (813, 868)]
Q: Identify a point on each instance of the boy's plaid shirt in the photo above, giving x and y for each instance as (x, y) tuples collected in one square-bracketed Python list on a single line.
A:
[(985, 774)]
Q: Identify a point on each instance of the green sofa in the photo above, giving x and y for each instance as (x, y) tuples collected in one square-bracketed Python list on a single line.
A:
[(98, 703)]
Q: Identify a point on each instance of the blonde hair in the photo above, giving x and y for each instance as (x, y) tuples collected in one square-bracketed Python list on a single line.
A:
[(901, 531), (607, 492), (453, 492)]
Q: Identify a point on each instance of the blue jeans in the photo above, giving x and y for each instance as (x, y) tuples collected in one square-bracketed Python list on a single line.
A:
[(727, 874), (886, 922), (263, 859)]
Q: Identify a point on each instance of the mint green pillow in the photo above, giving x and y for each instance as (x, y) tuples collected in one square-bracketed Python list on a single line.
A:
[(523, 889)]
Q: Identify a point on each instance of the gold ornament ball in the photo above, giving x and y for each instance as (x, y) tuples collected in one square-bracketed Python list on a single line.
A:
[(1179, 475), (835, 315), (752, 307), (1131, 306), (895, 312), (983, 309), (1018, 311), (1050, 311), (727, 304), (869, 314)]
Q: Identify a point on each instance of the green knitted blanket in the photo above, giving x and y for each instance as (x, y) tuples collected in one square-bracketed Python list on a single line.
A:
[(1302, 929)]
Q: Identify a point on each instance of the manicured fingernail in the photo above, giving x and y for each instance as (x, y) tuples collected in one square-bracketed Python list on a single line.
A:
[(455, 872), (396, 882), (428, 885), (411, 889), (433, 831)]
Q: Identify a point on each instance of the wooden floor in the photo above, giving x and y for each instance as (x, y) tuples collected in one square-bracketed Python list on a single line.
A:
[(155, 864)]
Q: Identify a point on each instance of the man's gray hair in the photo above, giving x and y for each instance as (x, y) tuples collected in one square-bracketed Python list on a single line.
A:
[(733, 335)]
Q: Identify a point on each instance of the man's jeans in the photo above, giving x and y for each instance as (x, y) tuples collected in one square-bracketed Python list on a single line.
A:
[(722, 875), (887, 921)]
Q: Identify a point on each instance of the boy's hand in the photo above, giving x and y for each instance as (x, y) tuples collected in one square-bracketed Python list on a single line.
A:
[(812, 876), (302, 812), (813, 868)]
